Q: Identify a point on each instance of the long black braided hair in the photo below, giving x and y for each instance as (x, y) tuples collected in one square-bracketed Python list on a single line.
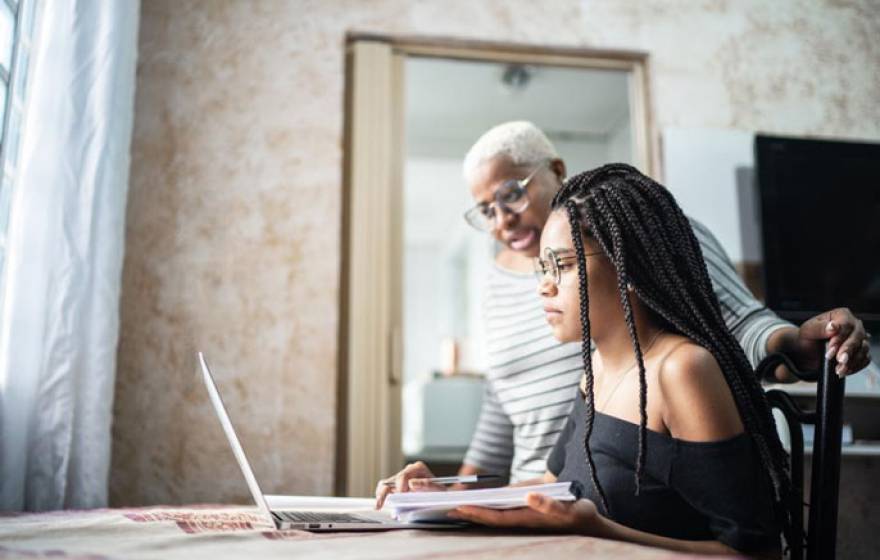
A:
[(651, 243)]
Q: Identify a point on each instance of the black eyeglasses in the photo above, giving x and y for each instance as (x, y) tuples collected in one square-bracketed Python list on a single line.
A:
[(511, 196)]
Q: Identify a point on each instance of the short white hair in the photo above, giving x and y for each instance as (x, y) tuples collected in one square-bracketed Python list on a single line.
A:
[(520, 141)]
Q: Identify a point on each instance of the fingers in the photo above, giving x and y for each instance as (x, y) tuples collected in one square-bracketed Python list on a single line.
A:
[(382, 491), (545, 505), (820, 327), (858, 356), (492, 517), (835, 323), (851, 352), (542, 513), (862, 356), (846, 336), (401, 481), (425, 485), (409, 472), (833, 346)]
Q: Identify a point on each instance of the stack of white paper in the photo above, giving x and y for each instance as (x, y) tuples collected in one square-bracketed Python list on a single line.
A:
[(432, 506)]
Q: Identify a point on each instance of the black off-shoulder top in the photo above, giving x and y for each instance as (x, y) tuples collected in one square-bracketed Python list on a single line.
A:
[(689, 490)]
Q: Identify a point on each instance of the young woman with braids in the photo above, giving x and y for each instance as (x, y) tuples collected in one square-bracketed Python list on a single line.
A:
[(513, 171), (671, 443)]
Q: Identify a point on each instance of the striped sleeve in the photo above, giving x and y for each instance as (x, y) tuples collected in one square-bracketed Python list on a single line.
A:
[(491, 447), (746, 317), (753, 333)]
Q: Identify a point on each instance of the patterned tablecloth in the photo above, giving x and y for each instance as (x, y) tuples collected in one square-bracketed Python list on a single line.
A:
[(218, 532)]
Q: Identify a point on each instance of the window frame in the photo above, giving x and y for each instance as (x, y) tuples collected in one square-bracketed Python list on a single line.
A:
[(24, 15)]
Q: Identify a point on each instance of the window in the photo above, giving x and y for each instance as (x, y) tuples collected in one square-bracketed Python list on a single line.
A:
[(16, 31)]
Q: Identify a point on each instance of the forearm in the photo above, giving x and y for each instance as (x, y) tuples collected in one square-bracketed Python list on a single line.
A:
[(491, 448), (465, 469), (612, 530), (781, 341), (754, 330)]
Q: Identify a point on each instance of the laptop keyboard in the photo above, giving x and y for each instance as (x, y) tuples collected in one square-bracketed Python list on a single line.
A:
[(320, 517)]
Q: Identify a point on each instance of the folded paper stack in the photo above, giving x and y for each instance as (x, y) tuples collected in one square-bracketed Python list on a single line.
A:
[(433, 506)]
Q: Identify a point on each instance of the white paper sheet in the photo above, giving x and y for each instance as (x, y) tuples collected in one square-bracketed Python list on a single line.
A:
[(432, 506)]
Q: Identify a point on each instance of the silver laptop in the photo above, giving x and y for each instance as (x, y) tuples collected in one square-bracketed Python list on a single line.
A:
[(297, 519)]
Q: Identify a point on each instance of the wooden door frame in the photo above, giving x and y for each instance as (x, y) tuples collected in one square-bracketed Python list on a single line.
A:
[(370, 351)]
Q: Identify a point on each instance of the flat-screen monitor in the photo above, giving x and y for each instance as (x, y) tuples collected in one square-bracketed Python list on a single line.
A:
[(820, 220)]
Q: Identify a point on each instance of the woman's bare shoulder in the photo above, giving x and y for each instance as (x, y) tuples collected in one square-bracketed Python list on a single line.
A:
[(697, 403)]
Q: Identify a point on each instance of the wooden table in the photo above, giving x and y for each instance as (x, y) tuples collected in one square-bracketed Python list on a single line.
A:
[(220, 532)]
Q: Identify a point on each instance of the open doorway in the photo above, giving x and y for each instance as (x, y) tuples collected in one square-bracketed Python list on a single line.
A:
[(449, 103), (411, 335)]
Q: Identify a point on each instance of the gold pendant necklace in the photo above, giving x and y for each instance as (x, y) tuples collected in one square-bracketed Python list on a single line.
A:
[(629, 369)]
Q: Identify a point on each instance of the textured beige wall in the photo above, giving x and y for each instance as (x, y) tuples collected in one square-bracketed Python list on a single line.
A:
[(233, 219)]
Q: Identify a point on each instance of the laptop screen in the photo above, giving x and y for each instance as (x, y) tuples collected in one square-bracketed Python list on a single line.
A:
[(246, 470)]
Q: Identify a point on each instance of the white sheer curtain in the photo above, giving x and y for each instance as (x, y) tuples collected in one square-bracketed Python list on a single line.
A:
[(59, 323)]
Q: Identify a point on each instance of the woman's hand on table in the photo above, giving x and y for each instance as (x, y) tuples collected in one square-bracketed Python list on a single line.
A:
[(581, 517), (413, 477), (542, 513)]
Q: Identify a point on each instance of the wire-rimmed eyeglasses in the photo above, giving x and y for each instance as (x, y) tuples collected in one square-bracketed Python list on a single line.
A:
[(511, 196), (556, 262)]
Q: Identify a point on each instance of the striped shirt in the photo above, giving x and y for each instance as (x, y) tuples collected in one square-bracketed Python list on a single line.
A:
[(532, 378)]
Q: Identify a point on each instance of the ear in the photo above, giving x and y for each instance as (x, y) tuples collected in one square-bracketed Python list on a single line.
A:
[(557, 166)]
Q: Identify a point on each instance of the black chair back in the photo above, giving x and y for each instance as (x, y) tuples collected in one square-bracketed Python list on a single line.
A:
[(827, 417)]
